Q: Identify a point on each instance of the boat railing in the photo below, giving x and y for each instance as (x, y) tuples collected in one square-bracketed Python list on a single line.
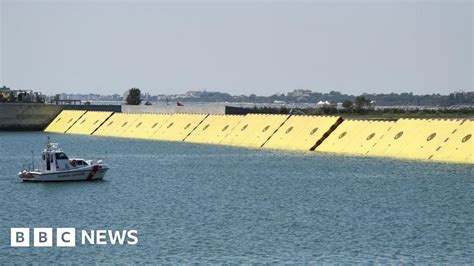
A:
[(33, 166), (27, 167)]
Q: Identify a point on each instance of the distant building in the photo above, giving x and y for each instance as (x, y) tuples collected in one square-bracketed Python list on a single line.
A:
[(322, 104), (22, 96), (300, 93), (193, 94)]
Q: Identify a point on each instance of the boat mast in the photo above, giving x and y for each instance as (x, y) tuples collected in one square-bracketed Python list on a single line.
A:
[(48, 144)]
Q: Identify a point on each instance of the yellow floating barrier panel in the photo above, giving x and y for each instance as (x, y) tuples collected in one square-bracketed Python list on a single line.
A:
[(214, 128), (129, 120), (420, 139), (254, 130), (302, 132), (89, 123), (342, 136), (113, 125), (439, 134), (178, 127), (368, 134), (150, 123), (64, 121), (394, 139), (459, 146), (401, 141), (428, 135), (134, 127), (145, 125)]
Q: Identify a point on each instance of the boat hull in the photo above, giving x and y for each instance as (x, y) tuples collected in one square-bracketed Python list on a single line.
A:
[(90, 174)]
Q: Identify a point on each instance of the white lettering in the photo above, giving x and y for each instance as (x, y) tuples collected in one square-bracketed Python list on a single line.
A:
[(43, 237), (20, 237), (66, 237), (115, 236), (132, 237), (101, 237), (86, 236)]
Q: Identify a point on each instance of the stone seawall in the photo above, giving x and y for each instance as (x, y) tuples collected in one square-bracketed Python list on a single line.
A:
[(100, 108), (35, 116), (27, 116), (216, 109)]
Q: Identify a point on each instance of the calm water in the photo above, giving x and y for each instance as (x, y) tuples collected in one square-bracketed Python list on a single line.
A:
[(198, 203)]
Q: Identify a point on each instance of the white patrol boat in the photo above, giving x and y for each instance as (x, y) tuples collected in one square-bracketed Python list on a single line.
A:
[(56, 166)]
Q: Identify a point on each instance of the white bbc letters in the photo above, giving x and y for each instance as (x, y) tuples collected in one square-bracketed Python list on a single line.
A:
[(20, 237), (43, 237), (66, 237)]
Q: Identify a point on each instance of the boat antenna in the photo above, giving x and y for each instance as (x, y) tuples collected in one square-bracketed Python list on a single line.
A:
[(106, 153), (48, 143), (32, 160)]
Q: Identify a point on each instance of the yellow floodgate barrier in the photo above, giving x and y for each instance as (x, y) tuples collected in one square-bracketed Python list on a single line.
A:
[(427, 139), (254, 130), (214, 129), (355, 137), (439, 135), (131, 129), (398, 142), (64, 121), (369, 133), (178, 127), (426, 136), (458, 146), (145, 125), (446, 140), (302, 133), (89, 123), (115, 125)]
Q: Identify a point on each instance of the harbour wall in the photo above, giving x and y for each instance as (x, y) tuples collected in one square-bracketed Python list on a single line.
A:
[(36, 116), (440, 140), (27, 116), (103, 108), (207, 108)]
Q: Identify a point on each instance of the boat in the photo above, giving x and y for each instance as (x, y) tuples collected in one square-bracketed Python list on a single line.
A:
[(56, 166)]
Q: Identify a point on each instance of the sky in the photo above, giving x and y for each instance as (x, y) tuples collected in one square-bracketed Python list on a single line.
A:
[(238, 47)]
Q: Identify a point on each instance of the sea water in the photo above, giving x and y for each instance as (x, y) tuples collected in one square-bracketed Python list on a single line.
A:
[(211, 204)]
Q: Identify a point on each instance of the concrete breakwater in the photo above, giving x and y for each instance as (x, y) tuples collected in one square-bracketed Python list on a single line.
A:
[(27, 116), (36, 116), (418, 139)]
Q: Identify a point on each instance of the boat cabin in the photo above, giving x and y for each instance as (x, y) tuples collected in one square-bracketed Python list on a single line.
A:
[(54, 159)]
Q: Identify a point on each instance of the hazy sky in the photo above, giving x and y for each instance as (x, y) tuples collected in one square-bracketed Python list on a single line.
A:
[(240, 47)]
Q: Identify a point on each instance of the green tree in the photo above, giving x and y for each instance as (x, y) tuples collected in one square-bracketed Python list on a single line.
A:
[(56, 98), (347, 104), (328, 109), (361, 102), (134, 96)]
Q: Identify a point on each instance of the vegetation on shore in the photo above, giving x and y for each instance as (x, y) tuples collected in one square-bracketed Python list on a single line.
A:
[(368, 113), (309, 96), (134, 96)]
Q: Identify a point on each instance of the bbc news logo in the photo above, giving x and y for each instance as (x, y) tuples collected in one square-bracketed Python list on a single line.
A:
[(66, 237)]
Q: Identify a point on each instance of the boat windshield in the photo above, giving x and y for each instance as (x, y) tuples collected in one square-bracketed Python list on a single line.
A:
[(61, 156)]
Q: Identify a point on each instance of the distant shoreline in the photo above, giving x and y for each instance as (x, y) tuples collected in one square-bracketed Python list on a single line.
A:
[(382, 114)]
